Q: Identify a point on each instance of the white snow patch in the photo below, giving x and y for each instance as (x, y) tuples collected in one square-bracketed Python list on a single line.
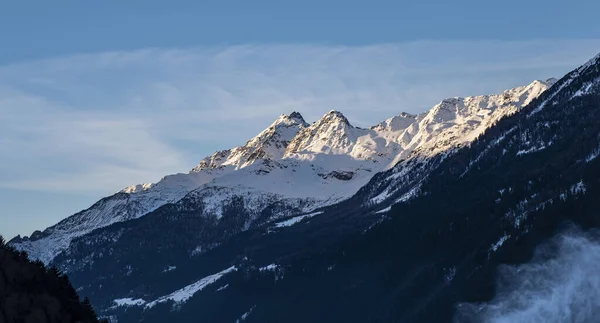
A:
[(295, 220), (531, 150), (245, 315), (110, 319), (182, 295), (197, 251), (502, 137), (222, 288), (271, 267), (129, 302), (500, 242), (374, 224), (414, 192), (578, 188), (593, 155), (583, 91), (520, 213), (276, 269), (169, 268), (387, 209), (382, 196)]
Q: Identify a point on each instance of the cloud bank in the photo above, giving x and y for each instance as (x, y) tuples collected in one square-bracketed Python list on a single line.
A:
[(560, 285), (95, 123)]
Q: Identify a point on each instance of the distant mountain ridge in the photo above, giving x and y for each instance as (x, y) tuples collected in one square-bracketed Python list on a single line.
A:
[(297, 165)]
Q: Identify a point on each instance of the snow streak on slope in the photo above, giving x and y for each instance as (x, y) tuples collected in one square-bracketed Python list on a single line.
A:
[(180, 296), (296, 163), (295, 220), (245, 315), (561, 284), (128, 302)]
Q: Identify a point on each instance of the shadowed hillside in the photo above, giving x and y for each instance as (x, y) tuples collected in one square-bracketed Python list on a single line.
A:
[(32, 293)]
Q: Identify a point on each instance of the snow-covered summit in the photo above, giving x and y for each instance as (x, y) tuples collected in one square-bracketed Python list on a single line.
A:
[(456, 121), (137, 188), (271, 143), (396, 123), (299, 164), (296, 116), (332, 134)]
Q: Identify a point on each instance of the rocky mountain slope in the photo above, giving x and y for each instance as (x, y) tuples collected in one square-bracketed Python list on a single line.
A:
[(293, 167)]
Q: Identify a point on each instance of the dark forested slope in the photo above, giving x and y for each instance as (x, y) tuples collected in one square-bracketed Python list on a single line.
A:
[(32, 293)]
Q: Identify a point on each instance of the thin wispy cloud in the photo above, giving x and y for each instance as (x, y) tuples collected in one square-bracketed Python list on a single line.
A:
[(94, 123)]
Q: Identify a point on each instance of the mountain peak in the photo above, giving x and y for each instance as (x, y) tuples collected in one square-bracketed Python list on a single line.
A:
[(270, 143), (334, 115), (547, 83), (329, 134), (297, 116), (397, 123), (292, 119)]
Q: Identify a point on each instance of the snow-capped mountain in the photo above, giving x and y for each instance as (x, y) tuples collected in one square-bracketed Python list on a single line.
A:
[(427, 139), (490, 203), (301, 167), (271, 144)]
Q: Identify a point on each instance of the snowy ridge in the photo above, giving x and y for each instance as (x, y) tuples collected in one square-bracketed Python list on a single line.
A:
[(303, 166), (128, 204), (451, 124), (458, 121)]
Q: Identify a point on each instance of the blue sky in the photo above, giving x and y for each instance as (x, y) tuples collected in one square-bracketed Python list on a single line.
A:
[(37, 29), (96, 97)]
